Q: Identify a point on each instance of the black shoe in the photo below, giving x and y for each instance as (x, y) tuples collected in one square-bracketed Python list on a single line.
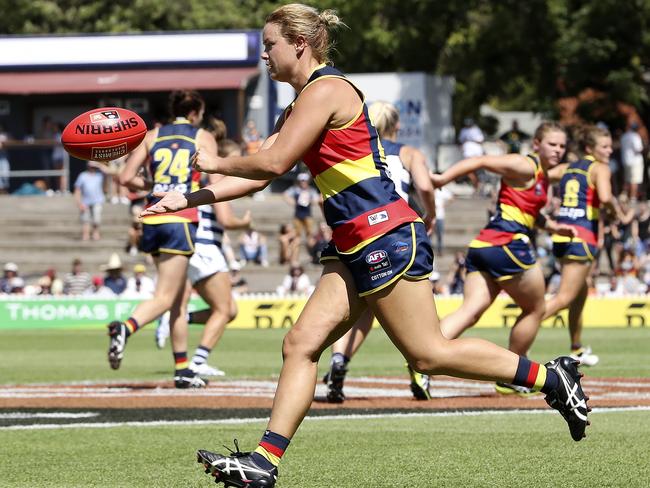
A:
[(568, 398), (238, 469), (334, 380), (117, 334), (189, 379)]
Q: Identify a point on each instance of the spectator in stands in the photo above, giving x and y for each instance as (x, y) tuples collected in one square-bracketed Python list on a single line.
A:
[(89, 195), (289, 244), (8, 280), (44, 285), (252, 138), (471, 144), (4, 162), (57, 285), (46, 134), (301, 195), (58, 183), (456, 278), (140, 285), (632, 154), (98, 290), (319, 242), (252, 247), (137, 202), (627, 271), (77, 282), (296, 282), (114, 279), (641, 224), (442, 197), (514, 138)]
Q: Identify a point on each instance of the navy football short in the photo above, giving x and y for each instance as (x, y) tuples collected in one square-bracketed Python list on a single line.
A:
[(403, 252), (170, 238), (501, 262), (575, 251)]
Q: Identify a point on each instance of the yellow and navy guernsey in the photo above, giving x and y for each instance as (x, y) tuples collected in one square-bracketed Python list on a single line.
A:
[(347, 163), (580, 208), (517, 210), (171, 168)]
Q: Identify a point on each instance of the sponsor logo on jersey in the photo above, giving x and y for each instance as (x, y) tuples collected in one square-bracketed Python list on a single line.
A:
[(378, 218), (400, 246)]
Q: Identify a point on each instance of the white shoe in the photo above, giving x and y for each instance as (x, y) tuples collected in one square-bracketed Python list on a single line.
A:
[(162, 330), (206, 370), (585, 356)]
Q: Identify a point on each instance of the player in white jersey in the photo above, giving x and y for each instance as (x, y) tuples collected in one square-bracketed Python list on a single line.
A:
[(208, 273), (406, 165)]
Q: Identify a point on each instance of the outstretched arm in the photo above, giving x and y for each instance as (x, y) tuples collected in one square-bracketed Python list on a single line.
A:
[(602, 179), (513, 167)]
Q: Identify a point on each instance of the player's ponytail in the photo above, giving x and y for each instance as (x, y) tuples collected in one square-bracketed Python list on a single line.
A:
[(183, 102)]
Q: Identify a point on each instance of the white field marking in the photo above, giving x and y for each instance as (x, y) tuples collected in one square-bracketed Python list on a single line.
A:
[(238, 421), (47, 415)]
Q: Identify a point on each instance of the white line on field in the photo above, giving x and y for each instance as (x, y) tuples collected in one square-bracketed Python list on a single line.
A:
[(48, 415), (235, 421)]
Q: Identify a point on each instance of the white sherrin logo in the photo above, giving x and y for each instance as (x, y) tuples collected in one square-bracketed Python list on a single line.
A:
[(378, 218)]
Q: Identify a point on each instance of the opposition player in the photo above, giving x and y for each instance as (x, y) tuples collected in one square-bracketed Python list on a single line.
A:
[(168, 238), (501, 256), (405, 165), (327, 127), (585, 188), (209, 274)]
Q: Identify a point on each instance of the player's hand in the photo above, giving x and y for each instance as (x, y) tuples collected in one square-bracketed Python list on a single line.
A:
[(429, 224), (205, 163), (437, 180), (565, 230), (172, 201)]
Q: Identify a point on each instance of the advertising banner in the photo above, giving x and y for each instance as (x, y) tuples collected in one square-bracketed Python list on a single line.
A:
[(270, 311)]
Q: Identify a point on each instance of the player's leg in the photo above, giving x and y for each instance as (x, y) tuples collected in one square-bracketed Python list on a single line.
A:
[(573, 278), (342, 352), (217, 293), (527, 291), (329, 313), (479, 292)]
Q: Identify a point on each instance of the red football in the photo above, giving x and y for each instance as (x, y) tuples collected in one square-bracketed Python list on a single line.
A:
[(103, 134)]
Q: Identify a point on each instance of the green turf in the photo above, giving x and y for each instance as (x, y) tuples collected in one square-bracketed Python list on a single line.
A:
[(31, 356), (483, 451)]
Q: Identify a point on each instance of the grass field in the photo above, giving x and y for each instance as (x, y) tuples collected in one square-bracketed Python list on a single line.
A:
[(432, 450)]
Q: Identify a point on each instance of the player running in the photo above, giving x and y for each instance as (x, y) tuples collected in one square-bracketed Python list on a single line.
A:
[(327, 126), (501, 256), (585, 188), (167, 152), (405, 165)]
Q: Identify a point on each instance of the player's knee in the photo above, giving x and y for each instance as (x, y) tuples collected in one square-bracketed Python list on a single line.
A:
[(299, 344)]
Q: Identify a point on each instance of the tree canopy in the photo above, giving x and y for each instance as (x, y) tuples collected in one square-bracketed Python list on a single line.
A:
[(512, 54)]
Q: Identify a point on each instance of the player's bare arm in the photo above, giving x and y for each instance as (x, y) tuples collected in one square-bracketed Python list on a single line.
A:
[(311, 113)]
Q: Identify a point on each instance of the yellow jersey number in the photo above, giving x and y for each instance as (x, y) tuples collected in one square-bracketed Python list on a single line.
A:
[(171, 163), (571, 190)]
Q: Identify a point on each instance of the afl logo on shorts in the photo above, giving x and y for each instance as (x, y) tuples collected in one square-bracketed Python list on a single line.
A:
[(377, 261), (376, 256)]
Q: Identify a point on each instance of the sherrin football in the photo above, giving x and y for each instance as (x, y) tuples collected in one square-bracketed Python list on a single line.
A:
[(103, 134)]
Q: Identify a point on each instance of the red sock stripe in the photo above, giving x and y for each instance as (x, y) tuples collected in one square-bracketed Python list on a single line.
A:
[(275, 450), (131, 325), (532, 375)]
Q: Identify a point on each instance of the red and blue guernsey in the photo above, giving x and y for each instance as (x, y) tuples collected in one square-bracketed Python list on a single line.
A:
[(359, 199), (517, 210), (171, 168), (580, 204)]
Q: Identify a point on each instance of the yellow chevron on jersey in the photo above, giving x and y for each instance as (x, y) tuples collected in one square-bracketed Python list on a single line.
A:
[(336, 179)]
